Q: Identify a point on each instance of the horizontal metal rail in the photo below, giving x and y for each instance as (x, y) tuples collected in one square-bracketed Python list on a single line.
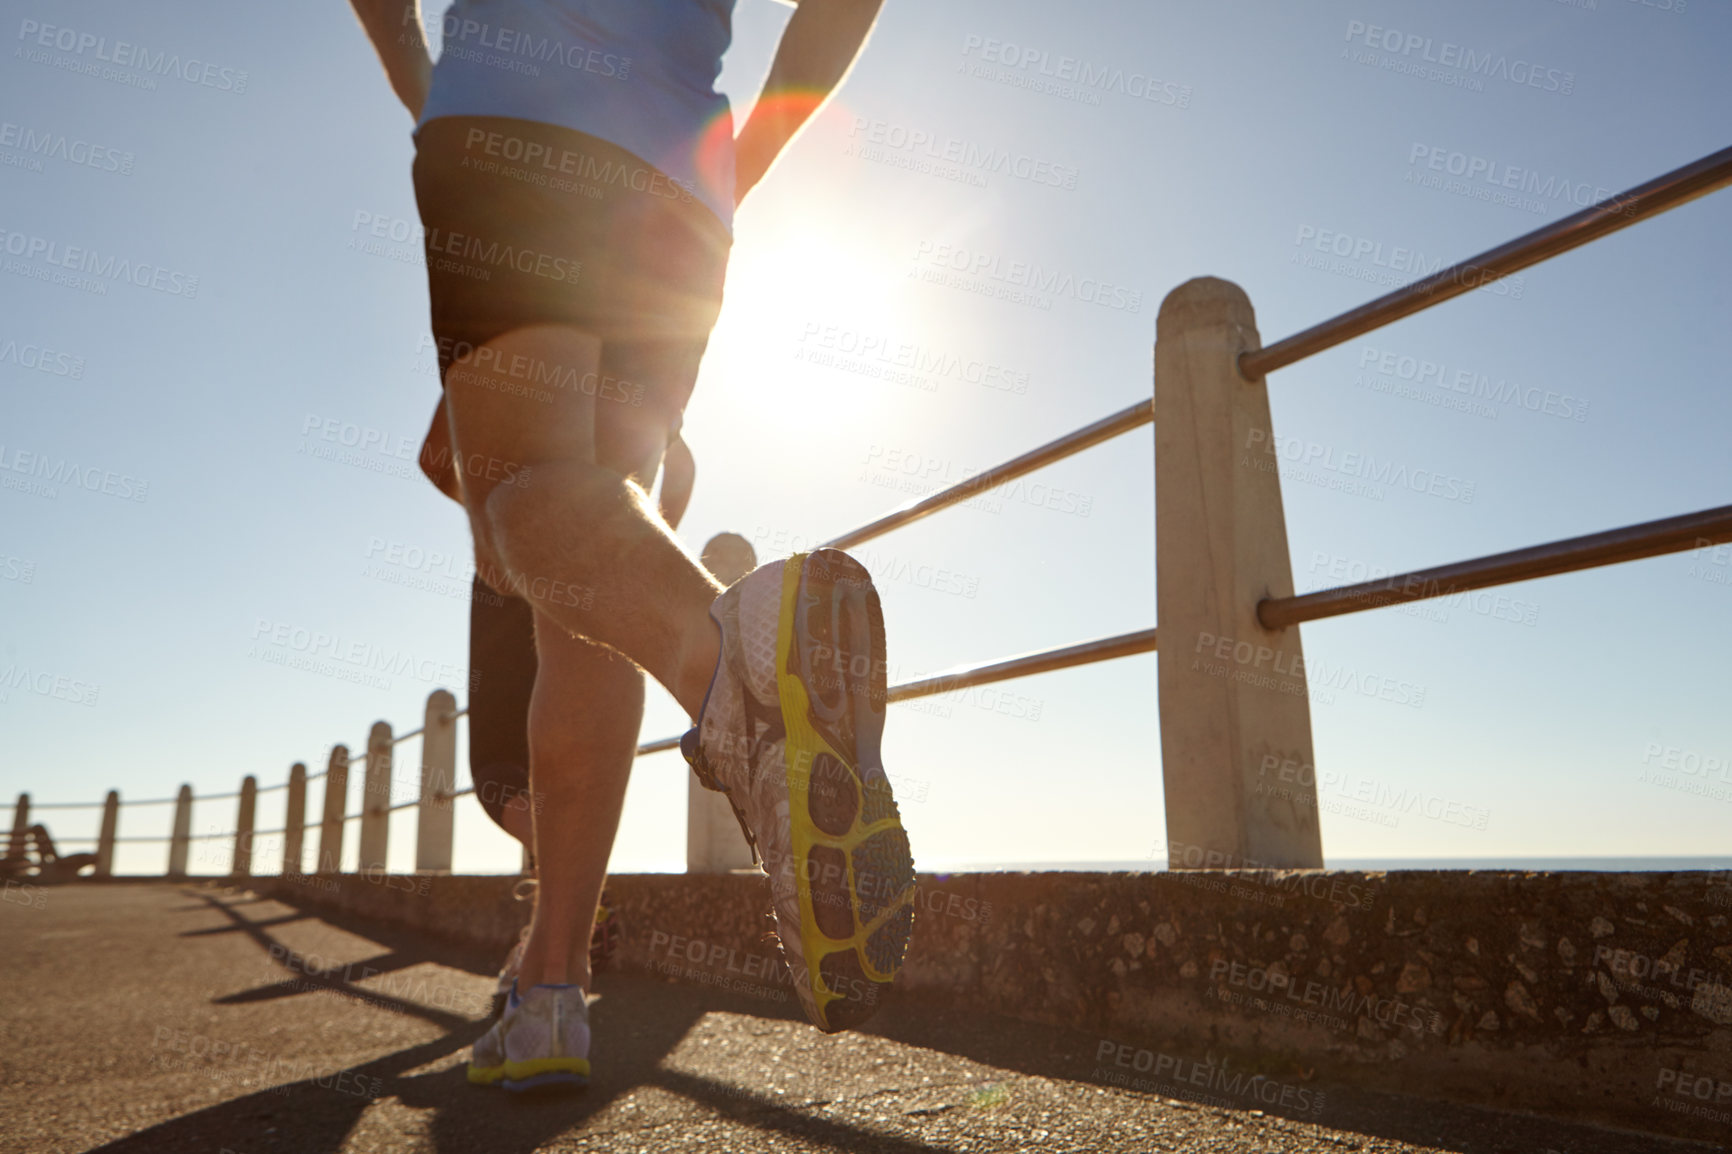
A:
[(1102, 649), (464, 712), (1645, 200), (659, 745), (98, 804), (1105, 429), (1026, 665), (1649, 539)]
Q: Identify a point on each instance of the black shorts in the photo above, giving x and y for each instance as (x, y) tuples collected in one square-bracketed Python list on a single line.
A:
[(527, 224)]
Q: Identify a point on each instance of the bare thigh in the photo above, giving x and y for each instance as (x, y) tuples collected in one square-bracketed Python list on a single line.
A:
[(499, 438)]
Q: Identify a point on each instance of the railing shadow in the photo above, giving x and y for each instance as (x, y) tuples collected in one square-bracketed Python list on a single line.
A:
[(1066, 1054), (642, 1020)]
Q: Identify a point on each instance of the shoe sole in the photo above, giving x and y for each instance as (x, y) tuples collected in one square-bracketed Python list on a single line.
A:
[(553, 1080), (485, 1075), (852, 864), (534, 1074)]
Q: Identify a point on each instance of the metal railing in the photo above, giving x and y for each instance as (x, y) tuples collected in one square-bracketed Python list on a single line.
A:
[(433, 850), (1677, 187), (1649, 539), (1221, 561)]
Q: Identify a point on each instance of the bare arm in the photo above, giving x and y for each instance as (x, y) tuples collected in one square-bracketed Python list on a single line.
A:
[(818, 47), (394, 27), (678, 473)]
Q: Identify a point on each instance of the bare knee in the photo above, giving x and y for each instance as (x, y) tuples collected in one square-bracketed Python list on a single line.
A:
[(513, 405)]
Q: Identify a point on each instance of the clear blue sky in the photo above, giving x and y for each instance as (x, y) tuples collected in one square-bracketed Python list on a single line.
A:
[(1252, 141)]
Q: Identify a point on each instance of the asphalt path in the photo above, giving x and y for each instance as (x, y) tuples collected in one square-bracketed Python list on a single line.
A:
[(193, 1018)]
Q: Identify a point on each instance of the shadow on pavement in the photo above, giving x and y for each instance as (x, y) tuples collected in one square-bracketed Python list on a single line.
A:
[(319, 1112), (1069, 1055), (643, 1020)]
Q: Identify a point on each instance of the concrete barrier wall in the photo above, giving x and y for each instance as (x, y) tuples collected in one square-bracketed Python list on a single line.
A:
[(1602, 997)]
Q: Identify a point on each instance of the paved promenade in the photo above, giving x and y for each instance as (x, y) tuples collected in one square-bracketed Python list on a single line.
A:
[(186, 1018)]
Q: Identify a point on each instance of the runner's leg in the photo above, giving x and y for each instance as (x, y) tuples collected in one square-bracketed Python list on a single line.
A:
[(584, 722), (577, 539)]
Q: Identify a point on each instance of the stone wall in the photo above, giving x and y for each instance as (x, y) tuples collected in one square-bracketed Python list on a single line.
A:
[(1603, 997)]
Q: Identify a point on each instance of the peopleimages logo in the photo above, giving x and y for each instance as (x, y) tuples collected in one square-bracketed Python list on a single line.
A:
[(1362, 467), (1408, 47), (1378, 795), (470, 39), (1347, 997), (48, 470), (41, 358), (922, 363), (878, 135), (46, 684), (1015, 280), (1115, 1061), (94, 264), (1500, 177), (1069, 76), (1348, 255), (1296, 675), (456, 244), (122, 54), (362, 656), (17, 569), (540, 166), (59, 146), (1473, 385)]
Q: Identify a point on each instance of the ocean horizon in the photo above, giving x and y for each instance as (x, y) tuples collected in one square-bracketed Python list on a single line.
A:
[(1537, 864)]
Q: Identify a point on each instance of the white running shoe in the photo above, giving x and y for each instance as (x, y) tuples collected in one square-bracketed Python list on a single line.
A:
[(508, 972), (790, 731), (542, 1039)]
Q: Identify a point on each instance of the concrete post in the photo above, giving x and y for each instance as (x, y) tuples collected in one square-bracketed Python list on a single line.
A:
[(181, 838), (331, 822), (714, 844), (376, 799), (105, 839), (20, 829), (241, 864), (1235, 716), (434, 825), (295, 820)]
